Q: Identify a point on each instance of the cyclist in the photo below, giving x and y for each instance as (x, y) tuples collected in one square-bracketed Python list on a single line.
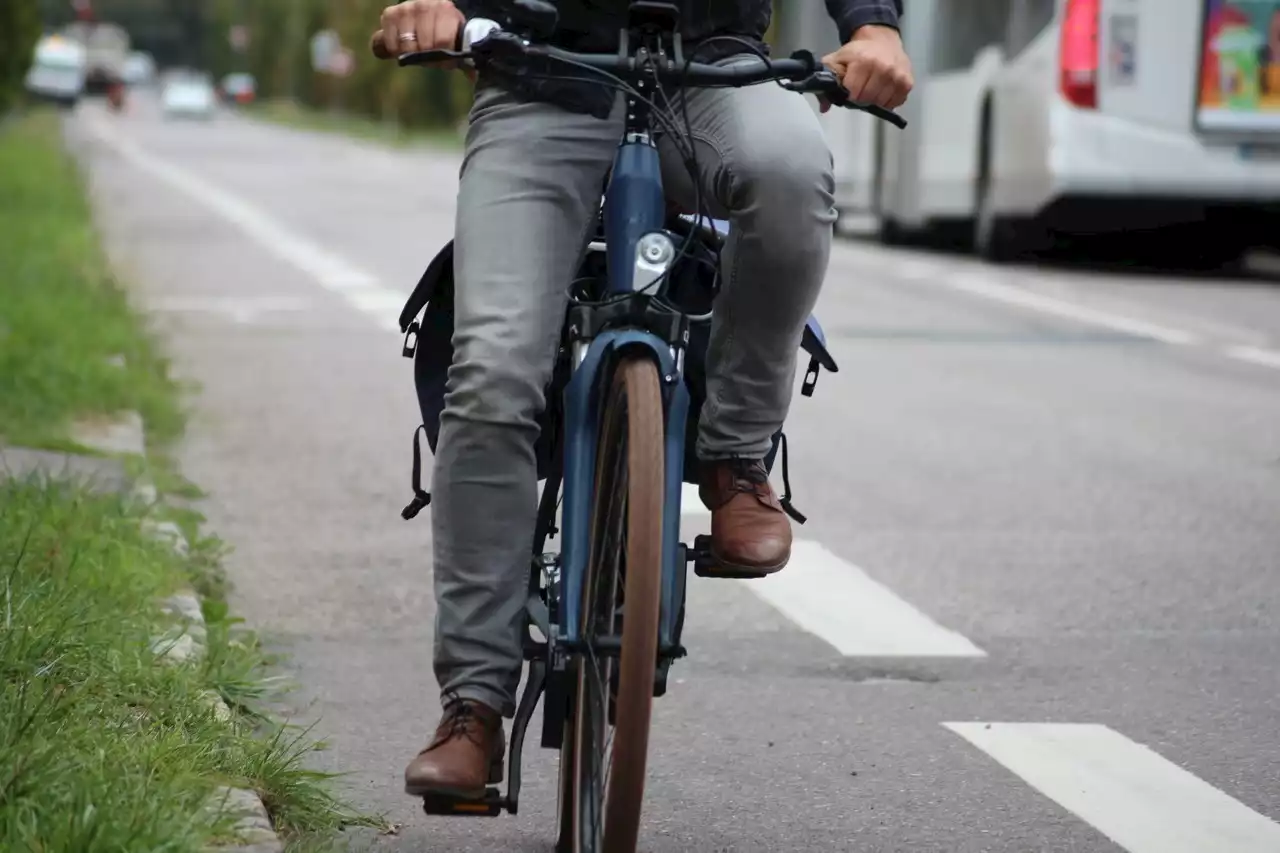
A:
[(537, 154)]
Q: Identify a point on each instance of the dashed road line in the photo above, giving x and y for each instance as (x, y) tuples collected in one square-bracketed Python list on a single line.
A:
[(1008, 294), (1254, 355), (982, 285), (1126, 791), (841, 604)]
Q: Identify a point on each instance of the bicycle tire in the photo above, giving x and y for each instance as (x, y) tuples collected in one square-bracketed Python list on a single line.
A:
[(565, 788), (628, 499)]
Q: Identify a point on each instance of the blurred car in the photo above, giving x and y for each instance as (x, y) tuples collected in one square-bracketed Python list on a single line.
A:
[(239, 88), (188, 97), (58, 71)]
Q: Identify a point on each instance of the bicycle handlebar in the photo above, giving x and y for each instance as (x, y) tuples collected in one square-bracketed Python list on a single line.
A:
[(485, 42)]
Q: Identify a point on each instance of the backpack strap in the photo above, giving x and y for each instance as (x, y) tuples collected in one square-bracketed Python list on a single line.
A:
[(785, 500), (421, 497), (421, 295)]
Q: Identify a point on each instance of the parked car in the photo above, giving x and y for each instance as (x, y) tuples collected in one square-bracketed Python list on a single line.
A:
[(188, 97), (58, 71), (239, 88)]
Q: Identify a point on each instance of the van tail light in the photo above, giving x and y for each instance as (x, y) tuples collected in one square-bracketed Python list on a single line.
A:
[(1078, 53)]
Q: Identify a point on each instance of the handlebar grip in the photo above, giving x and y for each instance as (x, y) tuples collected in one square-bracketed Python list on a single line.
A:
[(423, 57)]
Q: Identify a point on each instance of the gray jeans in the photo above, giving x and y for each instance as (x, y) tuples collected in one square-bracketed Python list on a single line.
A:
[(530, 192)]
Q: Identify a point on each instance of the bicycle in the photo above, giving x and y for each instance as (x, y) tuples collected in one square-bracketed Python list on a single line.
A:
[(613, 438)]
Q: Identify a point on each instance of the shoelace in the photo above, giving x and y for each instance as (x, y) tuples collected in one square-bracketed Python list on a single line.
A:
[(749, 474), (460, 720)]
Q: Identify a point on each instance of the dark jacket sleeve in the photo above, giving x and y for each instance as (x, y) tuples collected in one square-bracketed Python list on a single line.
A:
[(851, 14)]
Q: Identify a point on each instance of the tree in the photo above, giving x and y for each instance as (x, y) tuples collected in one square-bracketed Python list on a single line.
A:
[(19, 32)]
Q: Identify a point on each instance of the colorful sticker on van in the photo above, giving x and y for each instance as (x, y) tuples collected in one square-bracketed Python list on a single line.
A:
[(1240, 67), (1123, 58)]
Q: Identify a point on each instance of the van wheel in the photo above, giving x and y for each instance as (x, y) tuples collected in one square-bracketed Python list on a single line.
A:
[(995, 239), (1001, 239), (891, 233)]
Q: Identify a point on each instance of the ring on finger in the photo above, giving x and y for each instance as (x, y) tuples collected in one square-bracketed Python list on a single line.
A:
[(408, 37)]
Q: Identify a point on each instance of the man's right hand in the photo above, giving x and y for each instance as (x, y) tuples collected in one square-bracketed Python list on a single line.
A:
[(417, 25)]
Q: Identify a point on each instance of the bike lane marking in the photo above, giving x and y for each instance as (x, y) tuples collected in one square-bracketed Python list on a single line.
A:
[(1140, 800), (360, 288), (1255, 355), (841, 604)]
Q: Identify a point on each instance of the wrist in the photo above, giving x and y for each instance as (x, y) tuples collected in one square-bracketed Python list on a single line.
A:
[(877, 32)]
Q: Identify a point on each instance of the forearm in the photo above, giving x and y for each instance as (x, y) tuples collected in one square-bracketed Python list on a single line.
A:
[(849, 15)]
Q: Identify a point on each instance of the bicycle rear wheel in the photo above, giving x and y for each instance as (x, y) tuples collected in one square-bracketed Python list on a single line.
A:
[(625, 571)]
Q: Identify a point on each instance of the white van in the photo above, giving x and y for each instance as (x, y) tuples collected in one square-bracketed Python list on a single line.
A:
[(57, 71), (1081, 117)]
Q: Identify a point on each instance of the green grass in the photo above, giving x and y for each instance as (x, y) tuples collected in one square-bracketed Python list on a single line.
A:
[(102, 748), (62, 316), (293, 114)]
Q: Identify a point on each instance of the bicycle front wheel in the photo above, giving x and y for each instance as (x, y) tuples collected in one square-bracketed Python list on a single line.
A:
[(614, 699)]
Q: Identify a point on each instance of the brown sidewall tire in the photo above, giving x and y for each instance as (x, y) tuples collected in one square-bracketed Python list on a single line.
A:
[(633, 417)]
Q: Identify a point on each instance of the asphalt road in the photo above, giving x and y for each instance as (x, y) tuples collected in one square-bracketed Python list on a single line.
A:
[(1036, 605)]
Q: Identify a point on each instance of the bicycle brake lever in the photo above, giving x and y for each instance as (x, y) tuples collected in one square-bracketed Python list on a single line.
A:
[(824, 83)]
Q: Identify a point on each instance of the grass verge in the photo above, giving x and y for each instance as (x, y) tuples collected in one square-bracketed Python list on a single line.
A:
[(102, 748), (293, 114), (63, 318)]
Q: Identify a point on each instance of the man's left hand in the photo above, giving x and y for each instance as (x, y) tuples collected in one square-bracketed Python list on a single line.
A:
[(874, 67)]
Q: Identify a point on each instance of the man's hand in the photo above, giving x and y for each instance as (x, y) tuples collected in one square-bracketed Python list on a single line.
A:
[(417, 25), (873, 67)]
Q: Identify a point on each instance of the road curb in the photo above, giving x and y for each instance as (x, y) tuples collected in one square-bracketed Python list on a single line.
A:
[(185, 643)]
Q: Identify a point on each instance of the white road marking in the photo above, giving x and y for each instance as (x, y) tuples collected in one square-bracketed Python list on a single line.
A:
[(1129, 793), (839, 603), (1255, 355), (984, 287), (333, 272), (690, 503), (913, 269)]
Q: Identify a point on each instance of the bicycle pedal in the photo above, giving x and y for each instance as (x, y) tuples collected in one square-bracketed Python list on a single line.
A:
[(443, 805), (699, 551), (707, 566)]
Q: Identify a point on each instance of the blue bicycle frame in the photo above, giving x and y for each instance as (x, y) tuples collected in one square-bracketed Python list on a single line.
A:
[(634, 206)]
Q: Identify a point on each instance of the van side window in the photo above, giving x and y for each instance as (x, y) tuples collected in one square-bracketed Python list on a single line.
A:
[(963, 29), (1027, 20)]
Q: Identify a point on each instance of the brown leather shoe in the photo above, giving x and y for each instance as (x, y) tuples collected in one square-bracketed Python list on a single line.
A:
[(750, 533), (464, 756)]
